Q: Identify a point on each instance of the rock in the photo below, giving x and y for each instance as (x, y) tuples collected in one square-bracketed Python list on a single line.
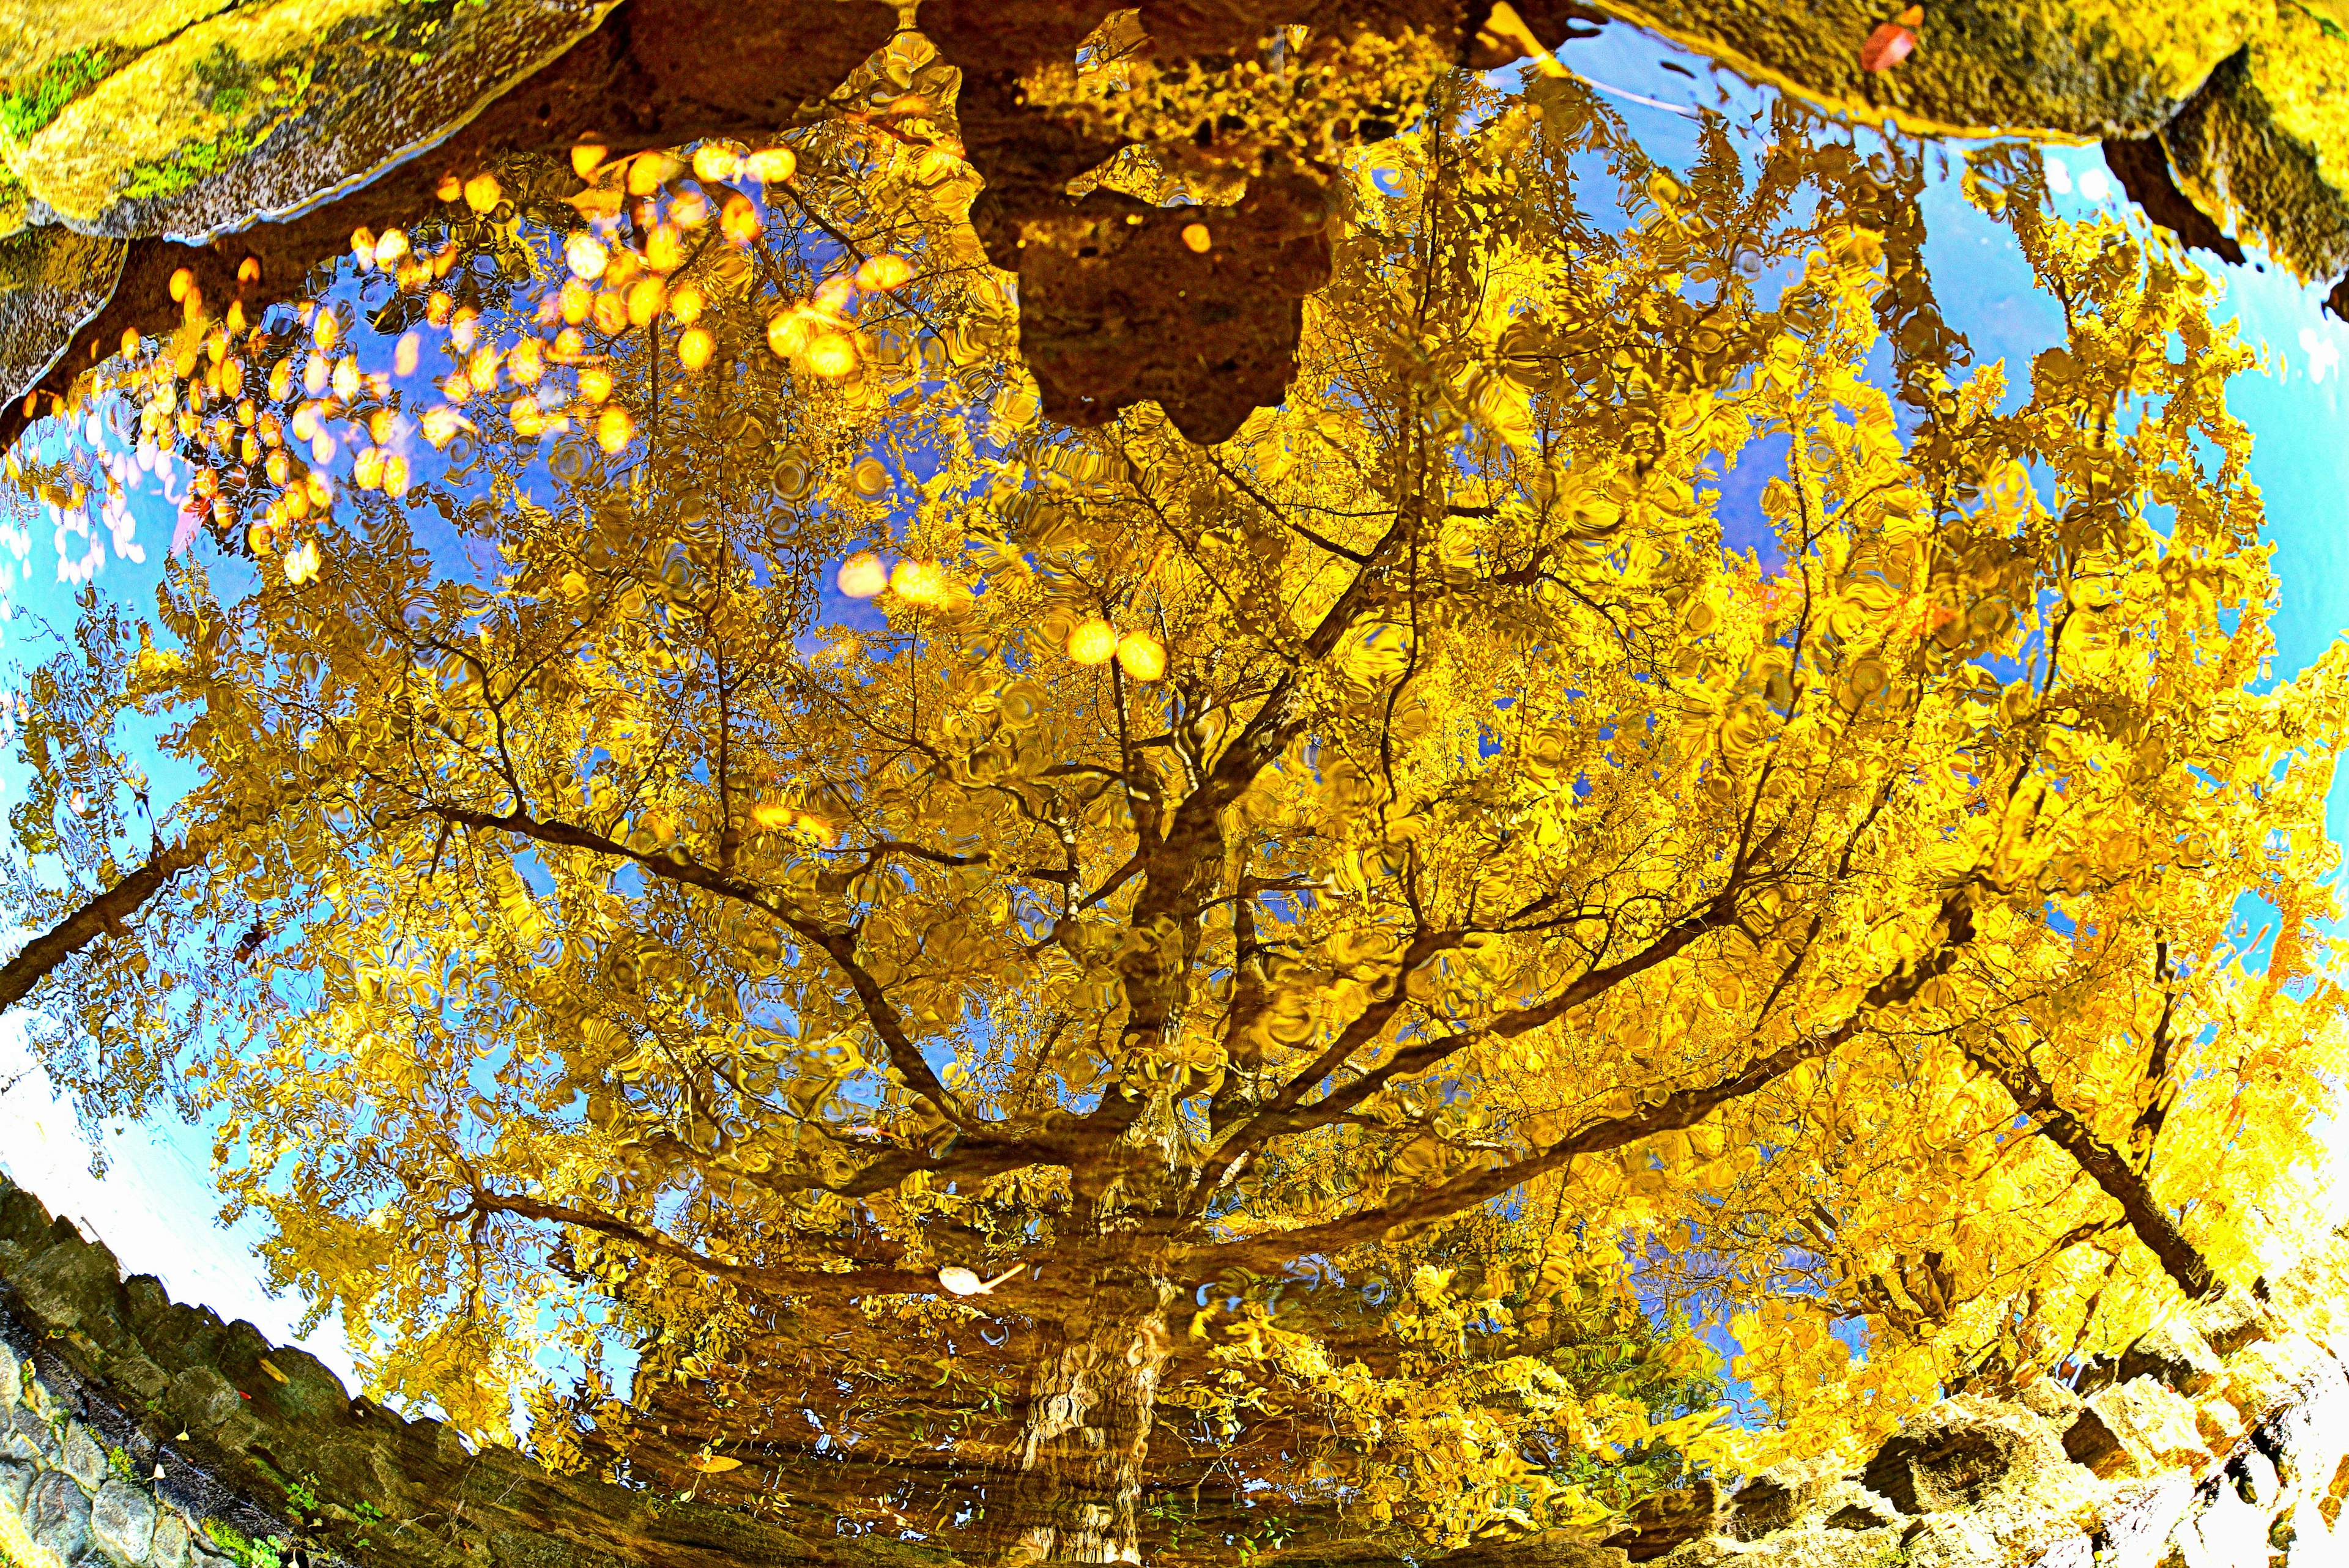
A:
[(2134, 1533), (170, 1548), (309, 1392), (2242, 98), (2087, 66), (70, 1282), (2255, 1478), (1944, 1541), (203, 1398), (2091, 1443), (2265, 1376), (1770, 1500), (2254, 142), (17, 1483), (2228, 1529), (2231, 1322), (23, 1224), (84, 1456), (1665, 1519), (2072, 1552), (2137, 1428), (1955, 1455), (51, 281), (140, 1375), (1544, 1549), (1114, 314), (30, 1438), (122, 1519), (2046, 1397), (57, 1517), (2173, 1353), (12, 1381), (260, 110), (1856, 1516)]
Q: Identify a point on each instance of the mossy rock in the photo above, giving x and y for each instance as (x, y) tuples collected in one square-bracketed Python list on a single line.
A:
[(43, 37), (2266, 143), (2250, 97), (2077, 68), (247, 115)]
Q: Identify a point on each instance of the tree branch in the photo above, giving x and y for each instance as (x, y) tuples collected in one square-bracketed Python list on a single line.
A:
[(104, 913), (876, 1282), (2109, 1168), (1681, 1108), (839, 945)]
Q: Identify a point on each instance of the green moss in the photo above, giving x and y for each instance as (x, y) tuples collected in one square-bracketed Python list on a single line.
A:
[(227, 80), (242, 1548), (189, 165), (26, 110), (230, 86)]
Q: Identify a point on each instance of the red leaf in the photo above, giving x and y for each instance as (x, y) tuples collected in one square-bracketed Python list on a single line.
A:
[(1885, 48)]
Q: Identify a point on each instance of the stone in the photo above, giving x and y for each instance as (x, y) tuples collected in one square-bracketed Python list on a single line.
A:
[(2231, 1322), (1665, 1519), (203, 1398), (84, 1456), (2072, 1552), (2091, 1442), (2254, 141), (170, 1547), (2219, 1424), (2047, 1398), (141, 1376), (16, 1478), (23, 1224), (310, 1391), (1544, 1549), (1954, 1540), (2241, 101), (2265, 1376), (2102, 66), (2173, 1353), (51, 282), (2312, 1295), (12, 1381), (30, 1438), (2137, 1427), (1857, 1516), (2229, 1529), (2134, 1532), (122, 1519), (2329, 1506), (1771, 1501), (56, 1516), (1955, 1455)]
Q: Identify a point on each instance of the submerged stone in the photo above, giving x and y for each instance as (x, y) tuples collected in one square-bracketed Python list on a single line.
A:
[(56, 1516), (122, 1519), (51, 281), (170, 1546), (29, 1437), (85, 1455)]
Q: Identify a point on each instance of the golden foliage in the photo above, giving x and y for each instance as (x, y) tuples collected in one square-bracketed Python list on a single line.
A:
[(1399, 844)]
